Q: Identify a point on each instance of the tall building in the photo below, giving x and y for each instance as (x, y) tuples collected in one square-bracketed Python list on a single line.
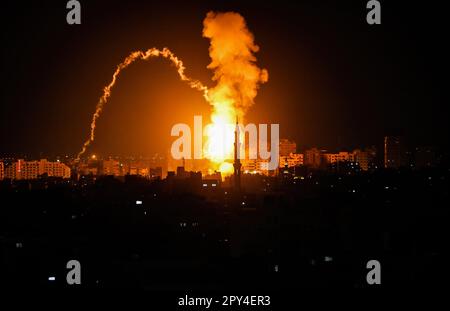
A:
[(181, 172), (394, 152), (365, 158), (11, 171), (2, 170), (237, 162), (287, 147)]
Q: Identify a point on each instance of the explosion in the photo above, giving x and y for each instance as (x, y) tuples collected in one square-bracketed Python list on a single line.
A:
[(232, 50)]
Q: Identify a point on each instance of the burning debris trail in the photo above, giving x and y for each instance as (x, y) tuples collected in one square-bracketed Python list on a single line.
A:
[(139, 55)]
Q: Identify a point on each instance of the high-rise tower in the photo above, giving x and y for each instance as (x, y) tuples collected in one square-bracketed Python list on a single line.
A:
[(394, 152), (237, 162)]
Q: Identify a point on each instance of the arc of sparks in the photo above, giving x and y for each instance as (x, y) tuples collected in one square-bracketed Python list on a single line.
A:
[(139, 55)]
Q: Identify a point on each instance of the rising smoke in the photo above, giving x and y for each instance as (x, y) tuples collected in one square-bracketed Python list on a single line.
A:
[(232, 50)]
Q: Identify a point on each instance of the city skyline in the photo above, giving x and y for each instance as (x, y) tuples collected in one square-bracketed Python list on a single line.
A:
[(395, 155)]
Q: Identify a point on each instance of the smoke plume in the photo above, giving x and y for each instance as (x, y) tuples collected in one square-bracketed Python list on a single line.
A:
[(232, 50)]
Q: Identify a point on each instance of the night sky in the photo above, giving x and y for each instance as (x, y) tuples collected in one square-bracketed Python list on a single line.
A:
[(334, 80)]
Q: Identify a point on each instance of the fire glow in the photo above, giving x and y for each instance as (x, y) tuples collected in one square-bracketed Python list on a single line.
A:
[(237, 78), (257, 144)]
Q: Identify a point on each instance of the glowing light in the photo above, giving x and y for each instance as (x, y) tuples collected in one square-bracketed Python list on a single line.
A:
[(226, 168)]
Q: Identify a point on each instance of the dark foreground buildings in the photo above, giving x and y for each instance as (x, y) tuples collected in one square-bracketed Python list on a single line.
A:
[(304, 227)]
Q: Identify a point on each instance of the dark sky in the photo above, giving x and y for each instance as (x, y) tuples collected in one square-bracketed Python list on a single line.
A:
[(334, 81)]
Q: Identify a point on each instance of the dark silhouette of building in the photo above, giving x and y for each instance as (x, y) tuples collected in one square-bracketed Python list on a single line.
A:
[(237, 162), (394, 152), (156, 173), (287, 147), (181, 171)]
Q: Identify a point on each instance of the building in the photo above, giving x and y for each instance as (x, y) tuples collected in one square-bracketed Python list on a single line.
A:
[(91, 167), (425, 157), (56, 169), (287, 147), (182, 173), (2, 170), (237, 165), (22, 169), (112, 168), (263, 167), (341, 156), (217, 176), (138, 167), (11, 170), (291, 160), (365, 158), (256, 166), (313, 158), (250, 166), (394, 152), (156, 173)]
